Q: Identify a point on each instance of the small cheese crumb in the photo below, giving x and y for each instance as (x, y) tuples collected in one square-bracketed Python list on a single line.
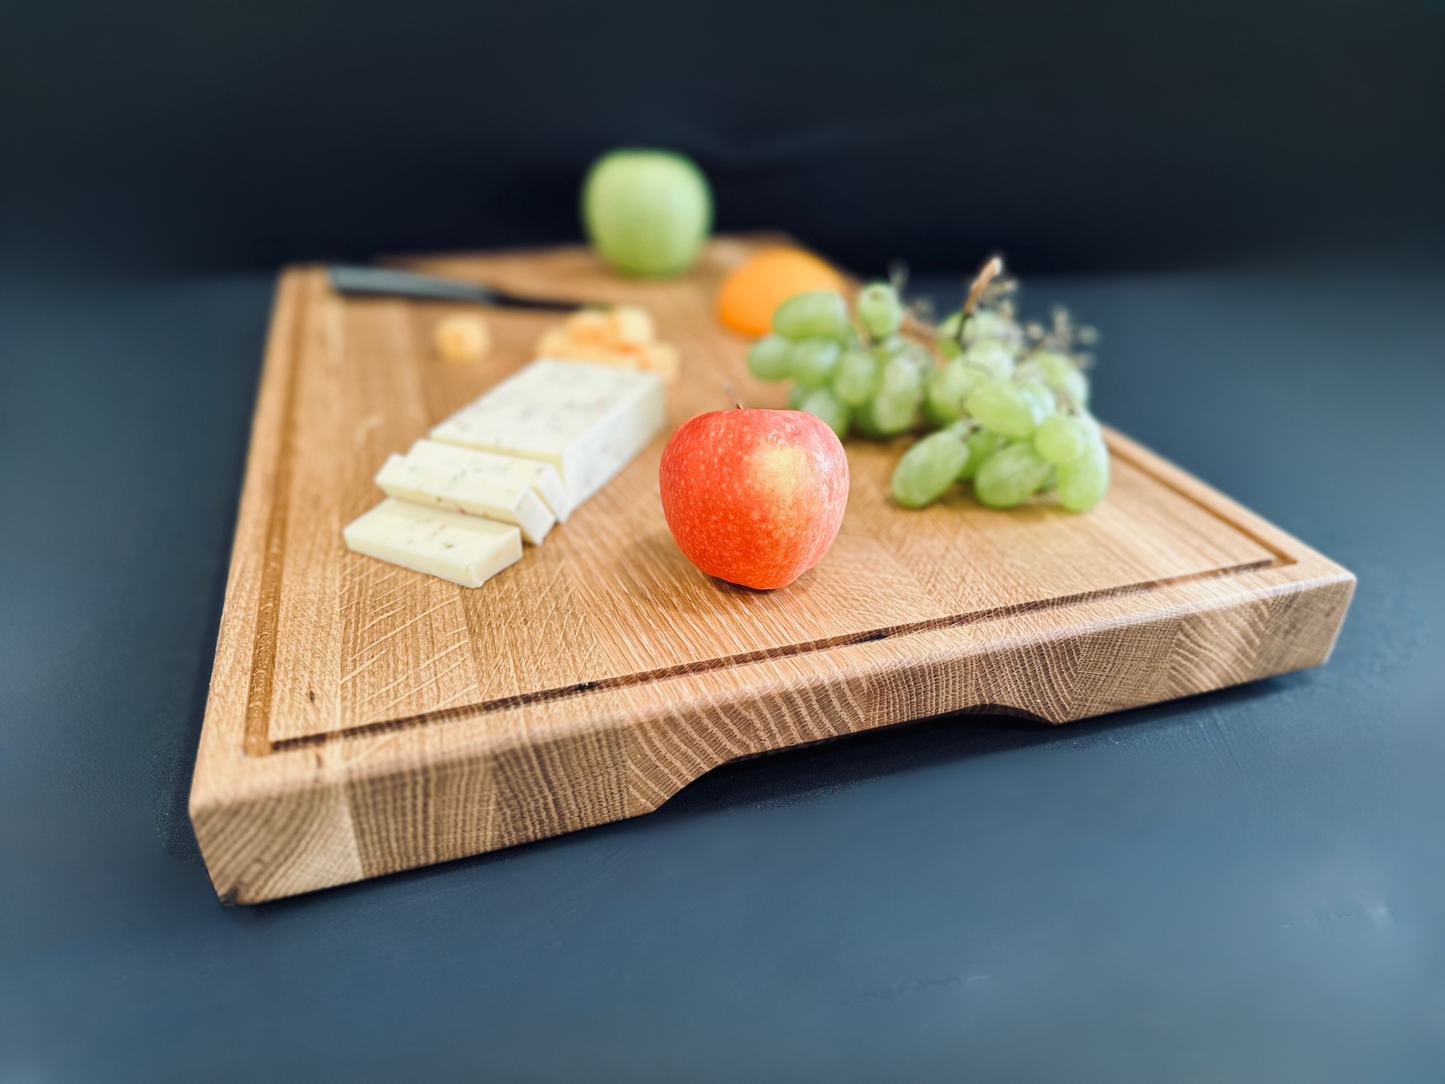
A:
[(462, 337)]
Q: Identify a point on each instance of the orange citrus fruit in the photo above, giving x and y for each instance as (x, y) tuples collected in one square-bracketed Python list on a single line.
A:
[(748, 296)]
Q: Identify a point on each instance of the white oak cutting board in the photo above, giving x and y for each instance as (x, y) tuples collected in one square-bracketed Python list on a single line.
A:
[(364, 719)]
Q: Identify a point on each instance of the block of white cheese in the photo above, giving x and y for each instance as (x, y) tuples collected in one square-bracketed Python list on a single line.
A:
[(467, 550), (451, 480), (542, 477), (586, 420)]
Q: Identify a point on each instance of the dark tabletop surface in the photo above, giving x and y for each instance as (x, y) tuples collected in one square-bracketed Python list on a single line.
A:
[(1243, 886)]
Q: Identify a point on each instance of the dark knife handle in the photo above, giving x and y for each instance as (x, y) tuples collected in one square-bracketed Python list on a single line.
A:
[(356, 279)]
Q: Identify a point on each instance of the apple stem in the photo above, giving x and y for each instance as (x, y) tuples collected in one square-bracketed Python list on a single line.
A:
[(733, 395), (986, 274)]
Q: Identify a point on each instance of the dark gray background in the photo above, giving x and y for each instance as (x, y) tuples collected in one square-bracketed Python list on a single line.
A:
[(1073, 135), (1248, 198)]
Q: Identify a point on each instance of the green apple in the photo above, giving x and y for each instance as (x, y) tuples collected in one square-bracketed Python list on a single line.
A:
[(647, 212)]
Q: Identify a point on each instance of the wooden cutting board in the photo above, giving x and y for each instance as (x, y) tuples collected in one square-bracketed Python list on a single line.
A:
[(364, 719)]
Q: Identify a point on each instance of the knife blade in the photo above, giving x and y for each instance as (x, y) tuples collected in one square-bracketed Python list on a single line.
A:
[(359, 280)]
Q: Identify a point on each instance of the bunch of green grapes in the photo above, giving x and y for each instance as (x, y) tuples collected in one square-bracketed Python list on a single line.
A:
[(1009, 404)]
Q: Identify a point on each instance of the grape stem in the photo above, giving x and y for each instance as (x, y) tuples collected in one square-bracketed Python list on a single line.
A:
[(897, 275), (986, 274)]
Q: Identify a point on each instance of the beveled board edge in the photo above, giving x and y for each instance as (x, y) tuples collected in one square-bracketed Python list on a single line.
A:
[(312, 814)]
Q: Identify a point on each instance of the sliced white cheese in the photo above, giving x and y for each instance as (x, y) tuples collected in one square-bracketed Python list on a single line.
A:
[(467, 550), (542, 477), (586, 420), (460, 489)]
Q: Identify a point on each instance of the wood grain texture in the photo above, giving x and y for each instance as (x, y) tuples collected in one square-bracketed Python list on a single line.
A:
[(364, 719)]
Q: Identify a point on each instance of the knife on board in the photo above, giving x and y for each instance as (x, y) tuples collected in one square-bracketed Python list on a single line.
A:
[(357, 279)]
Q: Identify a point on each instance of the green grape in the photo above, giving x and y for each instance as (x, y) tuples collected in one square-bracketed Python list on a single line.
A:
[(895, 405), (818, 314), (962, 429), (889, 347), (1063, 375), (811, 361), (894, 414), (896, 346), (1043, 398), (928, 468), (993, 357), (865, 423), (879, 309), (768, 358), (855, 378), (947, 388), (982, 324), (900, 377), (947, 342), (986, 324), (1004, 407), (1011, 475), (921, 359), (821, 403), (1062, 439), (1083, 483), (796, 394), (982, 443)]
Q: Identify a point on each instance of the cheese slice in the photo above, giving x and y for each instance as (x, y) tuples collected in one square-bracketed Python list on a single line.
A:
[(467, 550), (542, 477), (456, 487), (588, 421)]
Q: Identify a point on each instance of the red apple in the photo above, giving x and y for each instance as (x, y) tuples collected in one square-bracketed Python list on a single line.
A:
[(754, 496)]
